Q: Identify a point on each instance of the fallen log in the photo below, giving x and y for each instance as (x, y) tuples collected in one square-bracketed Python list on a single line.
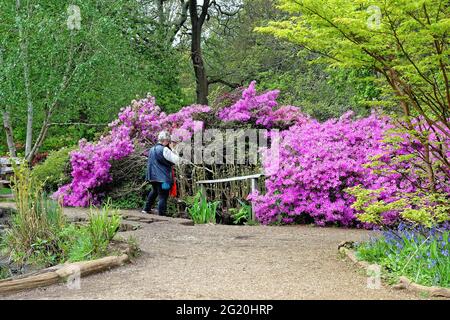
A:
[(61, 273)]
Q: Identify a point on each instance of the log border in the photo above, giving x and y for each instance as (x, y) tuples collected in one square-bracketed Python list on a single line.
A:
[(404, 283), (61, 273)]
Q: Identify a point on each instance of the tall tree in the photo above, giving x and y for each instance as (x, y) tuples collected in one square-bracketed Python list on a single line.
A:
[(181, 20), (23, 40), (72, 79), (407, 42)]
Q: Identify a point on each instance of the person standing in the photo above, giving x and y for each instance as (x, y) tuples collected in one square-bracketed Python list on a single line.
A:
[(161, 159)]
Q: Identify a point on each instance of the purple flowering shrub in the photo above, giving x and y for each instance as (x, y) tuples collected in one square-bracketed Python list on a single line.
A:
[(317, 162), (362, 172), (411, 184), (261, 110), (137, 124)]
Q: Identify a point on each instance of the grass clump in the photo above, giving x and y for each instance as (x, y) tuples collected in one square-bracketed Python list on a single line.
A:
[(201, 211), (243, 215)]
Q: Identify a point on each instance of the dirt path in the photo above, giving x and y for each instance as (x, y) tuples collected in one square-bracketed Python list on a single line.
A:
[(229, 262)]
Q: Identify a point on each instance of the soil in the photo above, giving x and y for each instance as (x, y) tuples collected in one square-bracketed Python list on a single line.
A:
[(181, 261)]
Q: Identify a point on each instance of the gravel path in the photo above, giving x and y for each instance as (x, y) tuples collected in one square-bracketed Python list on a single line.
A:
[(229, 262)]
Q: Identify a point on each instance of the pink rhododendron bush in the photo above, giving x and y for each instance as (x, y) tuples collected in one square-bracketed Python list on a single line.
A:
[(137, 126), (317, 162), (412, 177), (262, 110)]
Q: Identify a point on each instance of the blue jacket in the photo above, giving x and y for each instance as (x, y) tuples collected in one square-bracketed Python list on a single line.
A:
[(158, 168)]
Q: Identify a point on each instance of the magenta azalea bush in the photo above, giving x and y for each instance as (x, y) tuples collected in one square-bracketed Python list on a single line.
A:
[(137, 124), (411, 182), (309, 177), (317, 162), (400, 162)]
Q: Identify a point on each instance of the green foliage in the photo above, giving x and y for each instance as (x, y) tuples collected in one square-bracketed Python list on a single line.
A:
[(241, 215), (202, 211), (422, 258), (4, 273), (5, 191), (54, 171), (35, 226), (134, 247), (407, 42), (106, 65), (428, 209), (173, 207), (90, 241), (130, 201), (242, 55)]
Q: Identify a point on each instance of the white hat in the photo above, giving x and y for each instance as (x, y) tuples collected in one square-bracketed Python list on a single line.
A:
[(163, 135)]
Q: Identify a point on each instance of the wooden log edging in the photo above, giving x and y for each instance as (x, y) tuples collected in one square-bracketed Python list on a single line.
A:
[(407, 284), (61, 273), (404, 282)]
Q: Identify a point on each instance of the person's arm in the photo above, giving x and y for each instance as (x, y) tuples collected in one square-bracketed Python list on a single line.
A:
[(171, 156)]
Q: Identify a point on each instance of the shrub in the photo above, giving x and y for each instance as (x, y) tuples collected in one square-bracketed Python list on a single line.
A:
[(35, 226), (421, 254), (128, 188), (261, 110), (89, 241), (409, 183), (423, 208), (316, 162), (128, 201), (97, 166), (4, 273), (55, 170), (137, 126), (202, 211)]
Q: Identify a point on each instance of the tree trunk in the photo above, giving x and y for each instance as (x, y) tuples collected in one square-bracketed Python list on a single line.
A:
[(26, 76), (9, 133), (199, 69), (201, 79), (161, 16)]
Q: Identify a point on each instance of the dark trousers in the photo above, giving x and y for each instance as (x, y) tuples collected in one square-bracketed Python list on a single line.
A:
[(157, 191)]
